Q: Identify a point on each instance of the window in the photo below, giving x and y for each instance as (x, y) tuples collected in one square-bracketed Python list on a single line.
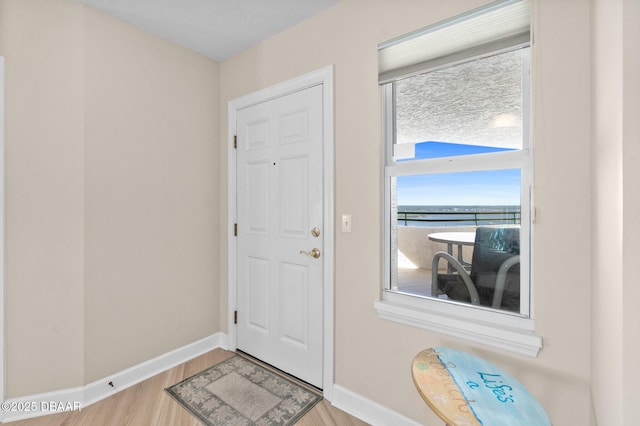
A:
[(457, 178)]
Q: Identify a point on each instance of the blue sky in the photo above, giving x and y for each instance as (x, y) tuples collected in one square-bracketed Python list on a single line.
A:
[(494, 187)]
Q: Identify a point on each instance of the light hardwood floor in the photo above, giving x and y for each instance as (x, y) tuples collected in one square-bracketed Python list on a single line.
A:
[(148, 404)]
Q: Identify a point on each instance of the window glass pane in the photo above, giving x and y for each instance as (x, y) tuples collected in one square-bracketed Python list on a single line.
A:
[(473, 216), (470, 108), (470, 189)]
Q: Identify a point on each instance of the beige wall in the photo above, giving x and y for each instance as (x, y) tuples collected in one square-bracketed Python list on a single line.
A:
[(616, 207), (43, 46), (151, 208), (114, 177), (631, 212), (372, 355), (112, 195), (608, 273)]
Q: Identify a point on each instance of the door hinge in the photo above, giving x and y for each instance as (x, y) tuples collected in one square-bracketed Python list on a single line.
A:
[(235, 317), (235, 229), (235, 141)]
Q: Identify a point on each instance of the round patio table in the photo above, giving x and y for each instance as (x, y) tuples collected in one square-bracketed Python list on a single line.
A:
[(463, 389), (458, 238)]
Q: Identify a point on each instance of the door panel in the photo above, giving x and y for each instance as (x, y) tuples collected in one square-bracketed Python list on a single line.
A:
[(257, 197), (295, 198), (279, 201), (294, 294), (258, 283)]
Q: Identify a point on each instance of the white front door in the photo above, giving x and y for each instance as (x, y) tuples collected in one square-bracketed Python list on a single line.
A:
[(279, 232)]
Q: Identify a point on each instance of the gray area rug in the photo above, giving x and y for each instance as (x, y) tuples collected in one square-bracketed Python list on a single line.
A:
[(240, 392)]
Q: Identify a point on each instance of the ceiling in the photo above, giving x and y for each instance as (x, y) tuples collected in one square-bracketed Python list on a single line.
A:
[(217, 29)]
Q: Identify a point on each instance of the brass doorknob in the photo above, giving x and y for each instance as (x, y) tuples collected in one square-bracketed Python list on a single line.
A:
[(315, 253)]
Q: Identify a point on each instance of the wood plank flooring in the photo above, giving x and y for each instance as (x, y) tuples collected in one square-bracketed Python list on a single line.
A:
[(148, 404)]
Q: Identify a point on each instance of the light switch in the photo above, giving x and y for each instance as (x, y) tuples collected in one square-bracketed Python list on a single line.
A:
[(346, 223)]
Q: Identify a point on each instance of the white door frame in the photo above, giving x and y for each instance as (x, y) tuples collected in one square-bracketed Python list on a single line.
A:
[(323, 76)]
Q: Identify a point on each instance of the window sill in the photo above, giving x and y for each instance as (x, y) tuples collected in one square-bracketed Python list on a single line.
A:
[(518, 339)]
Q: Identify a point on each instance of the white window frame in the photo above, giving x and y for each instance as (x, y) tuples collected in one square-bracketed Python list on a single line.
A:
[(513, 332)]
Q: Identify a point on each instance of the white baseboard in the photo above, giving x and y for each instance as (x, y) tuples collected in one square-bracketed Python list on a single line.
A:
[(76, 398), (69, 399), (366, 410), (101, 389)]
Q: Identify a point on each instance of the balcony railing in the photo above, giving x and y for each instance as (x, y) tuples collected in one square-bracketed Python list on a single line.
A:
[(457, 218)]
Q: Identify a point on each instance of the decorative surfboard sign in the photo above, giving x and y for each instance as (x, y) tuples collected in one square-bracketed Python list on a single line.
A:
[(463, 389)]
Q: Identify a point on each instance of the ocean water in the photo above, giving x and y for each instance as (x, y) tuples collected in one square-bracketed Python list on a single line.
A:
[(435, 216)]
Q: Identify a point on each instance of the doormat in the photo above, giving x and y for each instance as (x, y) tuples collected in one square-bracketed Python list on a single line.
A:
[(240, 392)]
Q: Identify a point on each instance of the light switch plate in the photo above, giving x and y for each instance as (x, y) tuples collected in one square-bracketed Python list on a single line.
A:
[(346, 223)]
